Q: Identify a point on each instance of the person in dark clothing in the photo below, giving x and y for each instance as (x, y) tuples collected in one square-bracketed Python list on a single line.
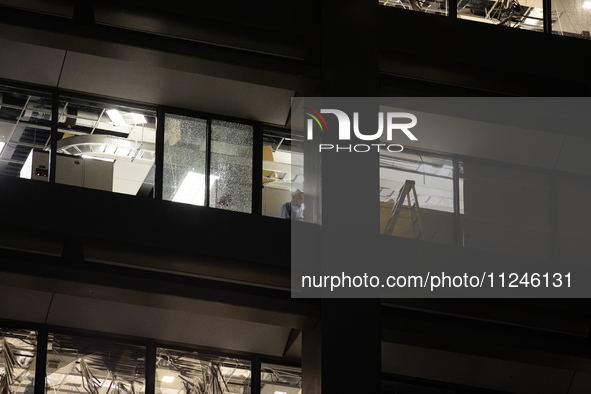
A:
[(294, 209)]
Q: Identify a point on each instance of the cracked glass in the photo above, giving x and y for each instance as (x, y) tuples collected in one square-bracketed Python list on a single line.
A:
[(184, 159), (231, 166)]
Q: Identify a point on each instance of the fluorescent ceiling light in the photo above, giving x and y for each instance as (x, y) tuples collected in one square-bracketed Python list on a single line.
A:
[(2, 146), (97, 158), (27, 169), (192, 190), (168, 379), (280, 392), (138, 119), (587, 4), (116, 117)]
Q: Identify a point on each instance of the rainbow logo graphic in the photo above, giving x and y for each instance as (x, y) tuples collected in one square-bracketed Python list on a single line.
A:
[(315, 116)]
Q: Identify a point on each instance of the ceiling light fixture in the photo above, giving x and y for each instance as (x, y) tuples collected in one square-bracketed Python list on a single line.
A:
[(116, 117), (587, 4), (97, 158), (139, 119), (168, 379), (2, 146)]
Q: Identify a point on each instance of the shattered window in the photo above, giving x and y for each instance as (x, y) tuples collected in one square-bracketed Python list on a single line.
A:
[(184, 159), (185, 372), (94, 366), (18, 349), (571, 18), (231, 166)]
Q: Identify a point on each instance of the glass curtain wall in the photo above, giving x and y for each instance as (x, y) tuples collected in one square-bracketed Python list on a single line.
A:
[(81, 363)]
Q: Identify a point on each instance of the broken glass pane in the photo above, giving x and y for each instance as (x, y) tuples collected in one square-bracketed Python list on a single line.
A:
[(184, 159), (231, 166)]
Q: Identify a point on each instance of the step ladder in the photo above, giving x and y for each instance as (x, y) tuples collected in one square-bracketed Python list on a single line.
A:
[(403, 203)]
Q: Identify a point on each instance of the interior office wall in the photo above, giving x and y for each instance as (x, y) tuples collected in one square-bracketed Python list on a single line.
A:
[(273, 199)]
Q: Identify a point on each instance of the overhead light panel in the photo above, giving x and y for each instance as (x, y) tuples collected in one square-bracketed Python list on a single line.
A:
[(587, 4), (2, 146), (97, 158), (168, 379), (138, 119), (116, 117)]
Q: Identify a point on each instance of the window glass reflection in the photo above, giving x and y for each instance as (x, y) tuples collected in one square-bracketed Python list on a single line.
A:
[(18, 349), (94, 366), (25, 127), (184, 159), (187, 372)]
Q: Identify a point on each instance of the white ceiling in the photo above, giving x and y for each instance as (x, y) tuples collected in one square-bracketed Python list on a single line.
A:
[(543, 147)]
